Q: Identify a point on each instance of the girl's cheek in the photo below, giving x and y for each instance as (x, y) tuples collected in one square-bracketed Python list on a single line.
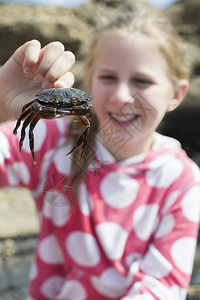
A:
[(96, 99)]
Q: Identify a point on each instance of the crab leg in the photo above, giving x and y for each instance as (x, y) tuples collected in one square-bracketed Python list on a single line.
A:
[(31, 135), (23, 131), (83, 138), (23, 116), (27, 105)]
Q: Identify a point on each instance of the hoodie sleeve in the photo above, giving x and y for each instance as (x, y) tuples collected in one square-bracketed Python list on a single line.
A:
[(18, 169)]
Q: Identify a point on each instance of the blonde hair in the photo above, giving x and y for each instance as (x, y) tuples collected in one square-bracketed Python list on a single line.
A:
[(168, 42), (155, 27)]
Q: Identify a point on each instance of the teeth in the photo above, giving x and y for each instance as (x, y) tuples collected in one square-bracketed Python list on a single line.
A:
[(123, 118)]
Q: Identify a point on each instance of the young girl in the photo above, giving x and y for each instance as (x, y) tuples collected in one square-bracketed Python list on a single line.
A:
[(131, 230)]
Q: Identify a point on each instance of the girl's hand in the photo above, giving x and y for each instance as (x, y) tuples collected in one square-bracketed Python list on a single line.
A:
[(29, 70)]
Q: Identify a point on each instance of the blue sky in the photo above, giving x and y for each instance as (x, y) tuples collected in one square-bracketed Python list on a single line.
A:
[(72, 3), (162, 3)]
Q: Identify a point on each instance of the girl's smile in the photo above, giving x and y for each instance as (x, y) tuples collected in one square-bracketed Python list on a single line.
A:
[(131, 90), (122, 119)]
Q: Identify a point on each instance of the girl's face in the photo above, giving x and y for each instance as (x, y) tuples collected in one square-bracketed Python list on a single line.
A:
[(131, 93)]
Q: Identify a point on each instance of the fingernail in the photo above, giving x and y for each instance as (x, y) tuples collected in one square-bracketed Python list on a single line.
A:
[(27, 70), (38, 77), (46, 85), (60, 84)]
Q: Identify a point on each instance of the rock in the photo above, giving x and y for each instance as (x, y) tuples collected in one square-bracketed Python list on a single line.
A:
[(184, 125), (193, 59), (16, 255), (71, 26), (194, 292), (185, 16), (20, 23), (17, 213)]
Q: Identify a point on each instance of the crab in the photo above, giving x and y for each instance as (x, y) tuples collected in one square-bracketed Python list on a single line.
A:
[(56, 103)]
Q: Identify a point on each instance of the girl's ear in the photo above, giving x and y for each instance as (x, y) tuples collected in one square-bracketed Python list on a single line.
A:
[(180, 91)]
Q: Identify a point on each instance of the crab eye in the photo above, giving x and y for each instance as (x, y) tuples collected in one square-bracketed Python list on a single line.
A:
[(56, 101), (75, 100)]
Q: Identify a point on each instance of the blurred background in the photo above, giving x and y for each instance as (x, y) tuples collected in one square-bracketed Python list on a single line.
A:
[(72, 22)]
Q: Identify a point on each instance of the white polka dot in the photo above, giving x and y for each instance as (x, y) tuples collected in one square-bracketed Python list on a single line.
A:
[(51, 287), (5, 151), (56, 199), (119, 190), (33, 271), (112, 238), (154, 264), (110, 284), (191, 204), (170, 201), (145, 220), (72, 290), (61, 124), (43, 176), (55, 208), (49, 250), (182, 253), (85, 201), (39, 136), (61, 161), (166, 226), (18, 173), (165, 176), (144, 296), (158, 288), (83, 248), (178, 292)]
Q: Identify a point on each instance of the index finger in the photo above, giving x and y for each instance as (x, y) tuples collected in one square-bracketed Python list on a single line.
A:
[(28, 55)]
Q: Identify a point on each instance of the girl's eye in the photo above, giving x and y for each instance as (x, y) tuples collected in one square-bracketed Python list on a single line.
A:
[(107, 77), (142, 82)]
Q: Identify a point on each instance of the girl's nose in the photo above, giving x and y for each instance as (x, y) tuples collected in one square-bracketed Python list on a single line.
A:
[(122, 95)]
